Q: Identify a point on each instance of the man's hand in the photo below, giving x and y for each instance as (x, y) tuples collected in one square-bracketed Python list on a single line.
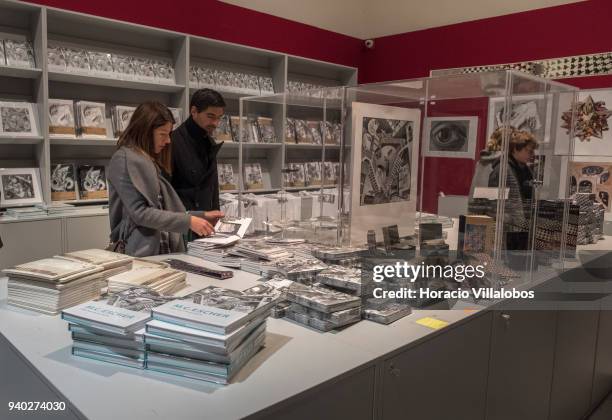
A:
[(213, 216)]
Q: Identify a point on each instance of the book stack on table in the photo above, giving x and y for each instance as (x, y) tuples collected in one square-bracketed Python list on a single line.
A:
[(113, 330), (112, 262), (52, 284), (209, 335)]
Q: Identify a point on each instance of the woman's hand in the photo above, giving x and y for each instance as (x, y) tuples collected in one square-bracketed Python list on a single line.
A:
[(201, 226), (213, 216)]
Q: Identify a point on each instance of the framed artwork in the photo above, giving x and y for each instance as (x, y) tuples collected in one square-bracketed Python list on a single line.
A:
[(531, 113), (20, 187), (452, 137), (17, 119), (384, 159), (594, 178)]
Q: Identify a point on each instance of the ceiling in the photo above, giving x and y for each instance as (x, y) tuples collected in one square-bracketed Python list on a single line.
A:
[(366, 19)]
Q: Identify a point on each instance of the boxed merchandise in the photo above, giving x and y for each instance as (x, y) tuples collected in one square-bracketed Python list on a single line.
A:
[(92, 182), (91, 119), (63, 182), (61, 118)]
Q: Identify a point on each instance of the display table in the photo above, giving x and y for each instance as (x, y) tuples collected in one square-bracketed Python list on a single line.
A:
[(364, 371), (296, 359)]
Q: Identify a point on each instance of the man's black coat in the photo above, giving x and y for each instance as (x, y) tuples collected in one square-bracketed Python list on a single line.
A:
[(194, 167)]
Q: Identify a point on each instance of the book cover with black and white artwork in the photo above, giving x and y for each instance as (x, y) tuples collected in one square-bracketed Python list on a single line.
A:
[(177, 113), (19, 53), (290, 131), (17, 187), (315, 131), (223, 132), (2, 56), (123, 66), (77, 60), (55, 58), (17, 119), (164, 71), (385, 161), (253, 177), (313, 173), (101, 63), (253, 130), (92, 119), (303, 134), (61, 118), (329, 173), (266, 130), (225, 174), (295, 176), (63, 182), (143, 69), (122, 116), (92, 182), (266, 86)]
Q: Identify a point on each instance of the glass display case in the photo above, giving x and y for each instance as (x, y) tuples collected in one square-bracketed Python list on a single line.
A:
[(475, 164)]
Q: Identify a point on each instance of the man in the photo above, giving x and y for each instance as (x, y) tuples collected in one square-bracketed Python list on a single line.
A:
[(194, 155)]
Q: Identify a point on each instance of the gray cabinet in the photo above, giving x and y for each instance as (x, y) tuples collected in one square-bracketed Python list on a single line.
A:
[(602, 375), (351, 397), (87, 232), (520, 372), (29, 240), (573, 368), (442, 378)]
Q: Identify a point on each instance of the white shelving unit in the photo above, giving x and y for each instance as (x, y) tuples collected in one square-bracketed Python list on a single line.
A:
[(44, 24)]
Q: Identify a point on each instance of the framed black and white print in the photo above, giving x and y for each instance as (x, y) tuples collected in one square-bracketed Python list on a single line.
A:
[(384, 175), (20, 187), (452, 137)]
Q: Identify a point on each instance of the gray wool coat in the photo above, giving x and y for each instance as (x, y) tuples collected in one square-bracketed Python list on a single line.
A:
[(135, 189)]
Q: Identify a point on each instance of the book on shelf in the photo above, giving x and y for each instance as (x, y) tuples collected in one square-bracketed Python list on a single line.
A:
[(206, 77), (266, 129), (303, 134), (315, 131), (266, 85), (223, 132), (61, 118), (123, 67), (63, 182), (77, 60), (2, 56), (101, 63), (290, 131), (253, 176), (296, 176), (143, 69), (19, 53), (17, 119), (91, 119), (121, 116), (56, 61), (313, 173), (225, 173), (177, 113), (92, 182)]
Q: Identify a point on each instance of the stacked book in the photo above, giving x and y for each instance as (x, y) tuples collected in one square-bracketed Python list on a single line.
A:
[(52, 284), (339, 255), (220, 256), (25, 212), (321, 307), (276, 288), (295, 268), (57, 209), (113, 263), (349, 280), (113, 330), (210, 335), (164, 281)]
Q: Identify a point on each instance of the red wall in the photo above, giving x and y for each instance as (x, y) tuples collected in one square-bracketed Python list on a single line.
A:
[(573, 29), (217, 20)]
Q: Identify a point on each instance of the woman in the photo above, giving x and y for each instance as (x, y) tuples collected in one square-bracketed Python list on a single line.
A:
[(146, 215), (519, 178)]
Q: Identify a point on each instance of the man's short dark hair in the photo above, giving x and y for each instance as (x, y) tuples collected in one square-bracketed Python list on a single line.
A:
[(203, 98)]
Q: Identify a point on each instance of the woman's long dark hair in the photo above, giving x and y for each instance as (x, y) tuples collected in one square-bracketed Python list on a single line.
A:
[(139, 132)]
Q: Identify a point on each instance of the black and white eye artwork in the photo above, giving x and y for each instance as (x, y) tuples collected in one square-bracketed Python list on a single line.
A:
[(449, 136)]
